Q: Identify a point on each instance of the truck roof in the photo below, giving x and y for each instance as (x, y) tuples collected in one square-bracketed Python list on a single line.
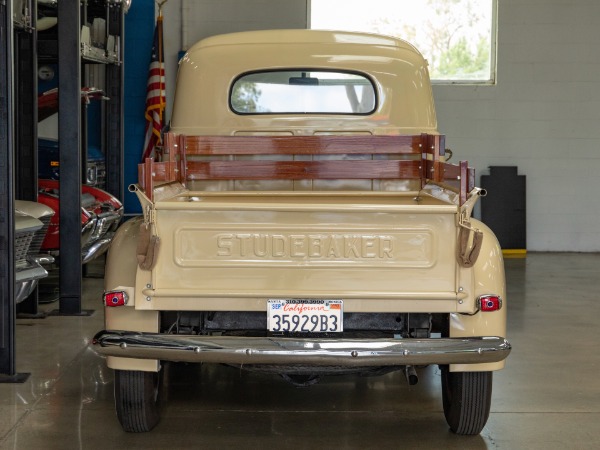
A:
[(302, 36), (404, 101)]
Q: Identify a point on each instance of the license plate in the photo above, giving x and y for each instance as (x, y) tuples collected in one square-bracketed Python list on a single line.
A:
[(305, 316)]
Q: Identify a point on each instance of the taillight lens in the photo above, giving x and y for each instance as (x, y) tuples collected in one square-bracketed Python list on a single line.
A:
[(489, 303), (115, 298)]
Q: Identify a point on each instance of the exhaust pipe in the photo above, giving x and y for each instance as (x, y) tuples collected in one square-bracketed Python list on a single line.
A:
[(411, 375)]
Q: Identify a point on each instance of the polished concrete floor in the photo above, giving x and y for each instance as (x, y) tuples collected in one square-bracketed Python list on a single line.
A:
[(548, 397)]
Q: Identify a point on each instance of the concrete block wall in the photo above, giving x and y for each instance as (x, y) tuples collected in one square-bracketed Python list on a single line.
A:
[(542, 115)]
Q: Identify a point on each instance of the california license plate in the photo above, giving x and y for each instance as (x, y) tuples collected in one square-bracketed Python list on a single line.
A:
[(305, 316)]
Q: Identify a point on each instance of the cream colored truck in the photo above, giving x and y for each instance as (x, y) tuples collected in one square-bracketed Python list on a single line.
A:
[(304, 221)]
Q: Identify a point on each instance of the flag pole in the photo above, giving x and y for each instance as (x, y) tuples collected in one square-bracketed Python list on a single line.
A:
[(161, 60), (155, 93), (161, 55)]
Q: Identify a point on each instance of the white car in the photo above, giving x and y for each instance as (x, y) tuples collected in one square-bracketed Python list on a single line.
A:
[(31, 223)]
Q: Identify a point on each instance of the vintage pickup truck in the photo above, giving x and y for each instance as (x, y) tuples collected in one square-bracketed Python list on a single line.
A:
[(304, 221)]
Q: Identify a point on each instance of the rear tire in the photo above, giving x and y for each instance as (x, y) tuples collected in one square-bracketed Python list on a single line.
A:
[(466, 397), (136, 400)]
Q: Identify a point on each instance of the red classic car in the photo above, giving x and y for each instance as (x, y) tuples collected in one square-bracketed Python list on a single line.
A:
[(100, 211), (100, 217)]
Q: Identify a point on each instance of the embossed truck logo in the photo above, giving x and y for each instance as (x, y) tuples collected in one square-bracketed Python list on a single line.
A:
[(305, 246)]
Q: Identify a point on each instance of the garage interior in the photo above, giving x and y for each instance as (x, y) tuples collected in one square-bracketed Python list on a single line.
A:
[(540, 115)]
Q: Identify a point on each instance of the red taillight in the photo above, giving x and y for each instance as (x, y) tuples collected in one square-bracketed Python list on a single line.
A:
[(115, 298), (489, 303)]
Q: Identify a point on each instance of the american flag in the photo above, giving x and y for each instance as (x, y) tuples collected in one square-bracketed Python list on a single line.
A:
[(155, 94)]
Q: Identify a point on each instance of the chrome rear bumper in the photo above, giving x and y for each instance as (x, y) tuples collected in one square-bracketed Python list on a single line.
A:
[(306, 351)]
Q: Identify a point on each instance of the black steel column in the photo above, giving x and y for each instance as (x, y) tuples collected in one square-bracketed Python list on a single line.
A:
[(7, 219), (114, 108), (26, 115), (26, 162), (69, 136)]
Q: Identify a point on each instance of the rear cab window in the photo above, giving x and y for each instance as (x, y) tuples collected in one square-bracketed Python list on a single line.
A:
[(303, 91)]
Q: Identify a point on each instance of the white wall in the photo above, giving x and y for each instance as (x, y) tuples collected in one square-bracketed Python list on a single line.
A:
[(542, 116)]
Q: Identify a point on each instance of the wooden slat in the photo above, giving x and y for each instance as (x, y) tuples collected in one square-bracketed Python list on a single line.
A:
[(450, 172), (303, 170), (434, 144), (464, 181), (164, 171), (170, 141), (424, 165), (148, 178), (301, 145), (471, 184), (182, 159), (142, 176), (438, 152), (433, 169), (459, 177)]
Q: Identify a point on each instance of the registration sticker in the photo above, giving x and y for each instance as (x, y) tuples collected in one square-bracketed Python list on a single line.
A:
[(305, 315)]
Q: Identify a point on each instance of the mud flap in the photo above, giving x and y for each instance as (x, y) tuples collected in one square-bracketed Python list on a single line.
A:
[(469, 244), (147, 247)]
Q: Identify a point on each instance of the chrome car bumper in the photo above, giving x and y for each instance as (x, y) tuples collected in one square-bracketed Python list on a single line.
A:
[(307, 351), (26, 280), (100, 235), (106, 222), (96, 248)]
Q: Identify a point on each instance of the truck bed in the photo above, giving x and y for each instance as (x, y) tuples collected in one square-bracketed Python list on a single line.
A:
[(233, 250)]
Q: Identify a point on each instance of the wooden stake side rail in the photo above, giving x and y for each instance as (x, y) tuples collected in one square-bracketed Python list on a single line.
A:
[(302, 145), (302, 170), (429, 167)]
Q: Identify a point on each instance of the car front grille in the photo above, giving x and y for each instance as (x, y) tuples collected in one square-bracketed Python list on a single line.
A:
[(36, 243), (22, 244)]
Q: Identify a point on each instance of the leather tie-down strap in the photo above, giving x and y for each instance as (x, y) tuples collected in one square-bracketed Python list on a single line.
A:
[(147, 247), (469, 244)]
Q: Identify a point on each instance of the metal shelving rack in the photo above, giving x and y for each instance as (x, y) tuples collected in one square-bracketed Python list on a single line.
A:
[(18, 169)]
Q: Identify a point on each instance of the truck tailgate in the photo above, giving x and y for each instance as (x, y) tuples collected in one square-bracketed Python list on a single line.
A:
[(233, 252)]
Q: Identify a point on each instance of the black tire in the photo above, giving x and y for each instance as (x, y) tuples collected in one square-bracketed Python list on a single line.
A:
[(466, 397), (136, 400)]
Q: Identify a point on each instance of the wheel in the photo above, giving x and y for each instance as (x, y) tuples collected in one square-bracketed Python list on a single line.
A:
[(466, 397), (136, 400)]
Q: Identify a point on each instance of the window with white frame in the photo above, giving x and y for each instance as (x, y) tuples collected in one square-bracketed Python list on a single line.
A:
[(458, 37)]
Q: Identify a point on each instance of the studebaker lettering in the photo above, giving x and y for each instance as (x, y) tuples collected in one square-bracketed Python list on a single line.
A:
[(307, 246)]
